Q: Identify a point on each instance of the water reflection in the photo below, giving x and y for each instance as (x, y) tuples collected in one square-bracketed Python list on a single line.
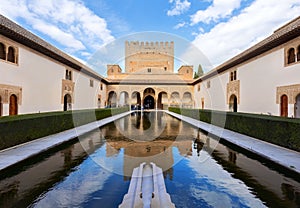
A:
[(22, 189), (96, 171)]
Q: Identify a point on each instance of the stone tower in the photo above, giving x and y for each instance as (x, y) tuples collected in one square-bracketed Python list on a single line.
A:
[(144, 57)]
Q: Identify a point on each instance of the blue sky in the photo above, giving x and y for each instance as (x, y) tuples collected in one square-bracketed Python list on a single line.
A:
[(220, 29)]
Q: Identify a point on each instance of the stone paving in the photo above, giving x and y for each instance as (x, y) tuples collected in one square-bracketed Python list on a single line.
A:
[(13, 155)]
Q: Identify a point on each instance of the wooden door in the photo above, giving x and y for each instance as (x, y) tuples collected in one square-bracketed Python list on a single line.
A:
[(13, 105), (284, 106)]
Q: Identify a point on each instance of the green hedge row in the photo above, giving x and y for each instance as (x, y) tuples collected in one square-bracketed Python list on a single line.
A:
[(19, 129), (277, 130)]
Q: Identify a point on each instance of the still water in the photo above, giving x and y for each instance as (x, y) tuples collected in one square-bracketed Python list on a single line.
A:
[(198, 170)]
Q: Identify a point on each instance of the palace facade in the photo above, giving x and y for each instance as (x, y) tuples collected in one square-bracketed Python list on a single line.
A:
[(37, 77)]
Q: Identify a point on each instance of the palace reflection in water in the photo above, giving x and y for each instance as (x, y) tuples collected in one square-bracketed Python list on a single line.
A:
[(148, 137), (73, 176)]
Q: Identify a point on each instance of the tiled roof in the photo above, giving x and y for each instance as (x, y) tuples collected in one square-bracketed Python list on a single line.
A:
[(280, 36), (15, 32)]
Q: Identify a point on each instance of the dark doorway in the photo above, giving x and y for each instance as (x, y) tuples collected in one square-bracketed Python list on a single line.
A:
[(149, 102), (297, 106), (0, 106), (67, 102), (233, 103)]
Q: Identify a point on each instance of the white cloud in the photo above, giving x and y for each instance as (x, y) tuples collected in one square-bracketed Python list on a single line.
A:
[(69, 22), (179, 25), (219, 9), (253, 24), (179, 7)]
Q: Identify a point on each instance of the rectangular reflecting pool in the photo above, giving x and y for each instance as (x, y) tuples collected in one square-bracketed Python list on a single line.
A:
[(199, 171)]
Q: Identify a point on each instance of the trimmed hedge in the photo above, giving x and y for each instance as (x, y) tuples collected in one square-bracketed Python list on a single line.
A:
[(274, 129), (19, 129)]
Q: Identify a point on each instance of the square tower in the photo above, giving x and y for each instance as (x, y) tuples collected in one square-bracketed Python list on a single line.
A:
[(143, 57)]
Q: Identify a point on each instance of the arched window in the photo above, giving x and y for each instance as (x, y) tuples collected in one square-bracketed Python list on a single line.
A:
[(291, 55), (11, 55), (13, 105), (2, 51), (70, 75), (298, 53)]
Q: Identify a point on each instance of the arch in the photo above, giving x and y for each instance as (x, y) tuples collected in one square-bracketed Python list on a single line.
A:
[(149, 102), (298, 53), (11, 56), (13, 105), (124, 97), (291, 55), (67, 102), (112, 99), (297, 106), (187, 100), (2, 51), (284, 105), (233, 103), (149, 91), (175, 99), (0, 106), (162, 102), (135, 100)]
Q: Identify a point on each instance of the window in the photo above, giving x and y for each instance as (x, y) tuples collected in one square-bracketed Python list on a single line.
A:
[(11, 55), (233, 75), (187, 71), (291, 56), (8, 53), (165, 68), (208, 84), (101, 86), (68, 75), (198, 87), (91, 83), (2, 51), (149, 69)]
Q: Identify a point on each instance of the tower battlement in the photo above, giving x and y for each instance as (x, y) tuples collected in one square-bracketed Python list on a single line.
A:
[(134, 47)]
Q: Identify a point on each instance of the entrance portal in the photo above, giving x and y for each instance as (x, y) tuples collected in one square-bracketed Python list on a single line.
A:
[(0, 106), (297, 106), (233, 103), (149, 102), (284, 106), (13, 105), (67, 102)]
